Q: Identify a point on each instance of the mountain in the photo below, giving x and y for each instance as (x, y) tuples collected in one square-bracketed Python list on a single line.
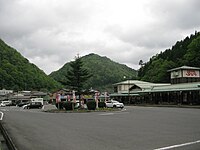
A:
[(105, 72), (17, 73), (183, 53)]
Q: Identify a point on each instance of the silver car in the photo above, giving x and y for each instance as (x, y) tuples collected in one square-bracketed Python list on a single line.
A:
[(114, 104)]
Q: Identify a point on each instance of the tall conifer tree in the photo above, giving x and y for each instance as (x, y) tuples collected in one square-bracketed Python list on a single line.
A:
[(77, 75)]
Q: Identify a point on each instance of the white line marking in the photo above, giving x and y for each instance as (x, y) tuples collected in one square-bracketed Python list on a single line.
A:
[(105, 114), (178, 145), (117, 113), (1, 115)]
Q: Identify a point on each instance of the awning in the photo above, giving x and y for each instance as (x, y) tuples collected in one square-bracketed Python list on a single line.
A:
[(120, 94)]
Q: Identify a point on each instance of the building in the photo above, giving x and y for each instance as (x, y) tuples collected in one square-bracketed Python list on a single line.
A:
[(4, 94), (24, 96), (184, 74), (129, 92), (183, 89)]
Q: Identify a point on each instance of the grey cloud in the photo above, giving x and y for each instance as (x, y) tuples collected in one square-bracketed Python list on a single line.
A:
[(180, 14), (51, 32), (170, 20)]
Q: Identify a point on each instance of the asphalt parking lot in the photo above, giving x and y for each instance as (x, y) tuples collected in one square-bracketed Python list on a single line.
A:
[(134, 128)]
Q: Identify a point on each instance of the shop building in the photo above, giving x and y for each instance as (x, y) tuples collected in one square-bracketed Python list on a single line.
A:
[(183, 89)]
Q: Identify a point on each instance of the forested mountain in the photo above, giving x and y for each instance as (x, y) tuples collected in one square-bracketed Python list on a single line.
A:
[(183, 53), (17, 73), (104, 72)]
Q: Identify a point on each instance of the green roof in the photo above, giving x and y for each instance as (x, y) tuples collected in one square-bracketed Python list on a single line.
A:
[(176, 87), (141, 84), (123, 94)]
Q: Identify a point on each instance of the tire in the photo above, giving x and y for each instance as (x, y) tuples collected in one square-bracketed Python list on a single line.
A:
[(114, 106)]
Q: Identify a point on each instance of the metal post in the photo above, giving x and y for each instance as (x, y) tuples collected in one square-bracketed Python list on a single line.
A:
[(129, 92)]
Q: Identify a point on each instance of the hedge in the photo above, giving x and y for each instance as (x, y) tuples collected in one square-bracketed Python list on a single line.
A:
[(91, 105)]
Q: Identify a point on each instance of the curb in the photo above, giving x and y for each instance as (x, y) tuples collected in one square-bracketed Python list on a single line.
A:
[(8, 140)]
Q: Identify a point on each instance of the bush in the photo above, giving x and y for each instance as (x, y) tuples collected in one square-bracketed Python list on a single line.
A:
[(91, 105), (101, 104), (60, 105), (68, 105)]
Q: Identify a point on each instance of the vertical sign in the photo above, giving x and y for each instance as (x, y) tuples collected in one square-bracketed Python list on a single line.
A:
[(58, 98)]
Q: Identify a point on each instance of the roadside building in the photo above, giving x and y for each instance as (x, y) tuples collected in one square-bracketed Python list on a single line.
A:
[(26, 96), (5, 94), (129, 92), (183, 89), (184, 74)]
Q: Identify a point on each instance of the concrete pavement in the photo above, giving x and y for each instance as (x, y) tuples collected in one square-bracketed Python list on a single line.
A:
[(138, 128)]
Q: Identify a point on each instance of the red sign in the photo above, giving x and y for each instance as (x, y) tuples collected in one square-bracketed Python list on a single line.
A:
[(191, 73)]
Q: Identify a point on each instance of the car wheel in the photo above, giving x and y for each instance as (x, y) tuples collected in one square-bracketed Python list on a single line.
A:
[(114, 106)]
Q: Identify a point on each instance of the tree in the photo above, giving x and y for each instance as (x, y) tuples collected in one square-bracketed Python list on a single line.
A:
[(141, 63), (77, 76)]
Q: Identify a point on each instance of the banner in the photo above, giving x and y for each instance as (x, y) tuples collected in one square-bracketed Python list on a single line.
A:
[(58, 98), (74, 97)]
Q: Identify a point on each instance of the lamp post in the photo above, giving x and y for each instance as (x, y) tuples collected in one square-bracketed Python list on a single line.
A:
[(129, 100)]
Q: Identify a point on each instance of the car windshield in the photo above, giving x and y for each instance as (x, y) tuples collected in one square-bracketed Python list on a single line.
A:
[(115, 101)]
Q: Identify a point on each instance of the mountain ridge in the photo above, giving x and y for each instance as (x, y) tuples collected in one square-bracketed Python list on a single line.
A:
[(105, 71), (17, 73)]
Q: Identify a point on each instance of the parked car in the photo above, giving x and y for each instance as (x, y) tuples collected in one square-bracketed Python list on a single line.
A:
[(22, 104), (33, 105), (5, 103), (114, 104)]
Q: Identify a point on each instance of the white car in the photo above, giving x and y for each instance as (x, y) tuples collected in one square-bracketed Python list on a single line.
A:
[(5, 103), (114, 104)]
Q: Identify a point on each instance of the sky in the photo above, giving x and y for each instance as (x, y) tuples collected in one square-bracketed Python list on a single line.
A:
[(50, 33)]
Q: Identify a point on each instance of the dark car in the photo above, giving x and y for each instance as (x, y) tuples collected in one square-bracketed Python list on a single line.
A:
[(33, 105), (22, 104)]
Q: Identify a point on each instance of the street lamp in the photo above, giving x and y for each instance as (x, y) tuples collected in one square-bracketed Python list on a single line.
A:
[(129, 100)]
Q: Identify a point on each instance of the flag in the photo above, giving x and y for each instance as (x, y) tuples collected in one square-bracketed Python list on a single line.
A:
[(74, 97), (58, 98)]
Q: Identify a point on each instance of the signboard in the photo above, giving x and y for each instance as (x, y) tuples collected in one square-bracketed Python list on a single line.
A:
[(190, 73)]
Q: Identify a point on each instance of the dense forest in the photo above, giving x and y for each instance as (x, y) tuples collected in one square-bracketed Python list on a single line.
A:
[(17, 73), (183, 53), (105, 72)]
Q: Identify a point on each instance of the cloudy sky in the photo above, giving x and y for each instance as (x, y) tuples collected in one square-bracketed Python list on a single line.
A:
[(52, 32)]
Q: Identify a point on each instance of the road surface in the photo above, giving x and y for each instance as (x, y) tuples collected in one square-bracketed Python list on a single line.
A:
[(135, 128)]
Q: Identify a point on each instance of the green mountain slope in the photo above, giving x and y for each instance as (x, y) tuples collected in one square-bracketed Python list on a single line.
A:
[(17, 73), (183, 53), (104, 72)]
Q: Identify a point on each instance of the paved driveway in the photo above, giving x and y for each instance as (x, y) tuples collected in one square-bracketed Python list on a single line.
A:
[(135, 128)]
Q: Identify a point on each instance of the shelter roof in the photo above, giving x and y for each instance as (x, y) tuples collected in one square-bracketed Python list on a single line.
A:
[(141, 84), (183, 68), (176, 87)]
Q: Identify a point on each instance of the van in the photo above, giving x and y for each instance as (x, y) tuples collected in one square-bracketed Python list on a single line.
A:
[(37, 100)]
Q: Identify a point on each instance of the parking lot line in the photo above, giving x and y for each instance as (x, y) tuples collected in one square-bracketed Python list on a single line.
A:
[(178, 145), (105, 114), (116, 113)]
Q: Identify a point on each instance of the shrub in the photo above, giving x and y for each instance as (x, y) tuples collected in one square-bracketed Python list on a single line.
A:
[(68, 105), (101, 104), (91, 105), (60, 105)]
